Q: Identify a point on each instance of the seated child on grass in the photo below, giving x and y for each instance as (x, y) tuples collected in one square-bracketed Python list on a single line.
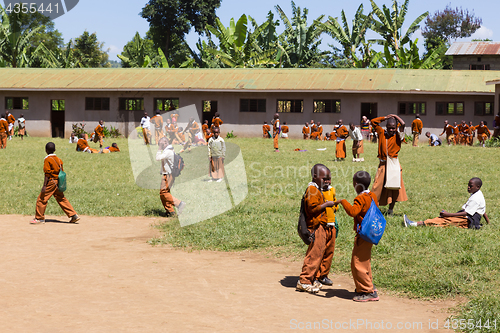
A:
[(315, 206), (362, 251), (111, 149), (468, 217)]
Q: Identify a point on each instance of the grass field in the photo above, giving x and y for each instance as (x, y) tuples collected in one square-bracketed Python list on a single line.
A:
[(418, 262)]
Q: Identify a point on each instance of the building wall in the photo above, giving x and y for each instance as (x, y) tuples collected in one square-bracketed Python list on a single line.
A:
[(244, 124), (464, 62)]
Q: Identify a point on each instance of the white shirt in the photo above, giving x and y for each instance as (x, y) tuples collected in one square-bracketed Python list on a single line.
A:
[(475, 204), (22, 122), (356, 134), (145, 122), (166, 156), (216, 147), (75, 140)]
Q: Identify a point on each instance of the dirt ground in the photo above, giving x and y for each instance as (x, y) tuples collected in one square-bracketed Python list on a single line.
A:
[(101, 276)]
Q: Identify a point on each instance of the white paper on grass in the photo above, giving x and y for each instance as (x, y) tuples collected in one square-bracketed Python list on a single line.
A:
[(203, 199)]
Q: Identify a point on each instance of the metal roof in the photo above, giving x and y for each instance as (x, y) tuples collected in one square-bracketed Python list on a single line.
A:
[(474, 48), (248, 80)]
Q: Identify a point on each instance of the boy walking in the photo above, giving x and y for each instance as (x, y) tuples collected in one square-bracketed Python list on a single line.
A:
[(357, 143), (362, 251), (276, 132), (51, 167), (468, 217), (22, 126), (4, 131), (416, 129), (317, 223), (99, 133), (216, 154)]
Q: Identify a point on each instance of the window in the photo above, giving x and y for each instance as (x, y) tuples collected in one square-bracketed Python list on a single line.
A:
[(16, 103), (326, 105), (131, 104), (483, 109), (479, 67), (443, 108), (96, 103), (210, 106), (166, 104), (291, 105), (252, 105), (57, 105), (412, 108)]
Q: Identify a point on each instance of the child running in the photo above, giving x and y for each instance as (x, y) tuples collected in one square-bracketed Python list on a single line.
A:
[(51, 167), (362, 251)]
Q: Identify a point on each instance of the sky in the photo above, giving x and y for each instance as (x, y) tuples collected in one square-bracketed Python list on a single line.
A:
[(116, 22)]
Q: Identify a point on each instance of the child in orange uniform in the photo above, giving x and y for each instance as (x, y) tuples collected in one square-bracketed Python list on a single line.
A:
[(306, 131), (99, 133), (51, 167), (4, 131), (416, 129), (11, 120), (276, 132), (216, 122), (389, 143), (342, 134), (315, 206), (157, 122), (111, 149), (483, 132), (284, 131), (266, 131), (362, 251)]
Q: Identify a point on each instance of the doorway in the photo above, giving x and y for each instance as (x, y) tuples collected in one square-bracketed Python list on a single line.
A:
[(57, 119), (369, 110), (209, 109)]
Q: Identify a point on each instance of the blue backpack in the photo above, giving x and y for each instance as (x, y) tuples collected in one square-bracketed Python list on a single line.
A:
[(373, 225)]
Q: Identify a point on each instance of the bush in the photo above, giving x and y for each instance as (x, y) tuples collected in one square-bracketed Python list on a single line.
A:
[(79, 129), (230, 135), (492, 143), (112, 132), (16, 131)]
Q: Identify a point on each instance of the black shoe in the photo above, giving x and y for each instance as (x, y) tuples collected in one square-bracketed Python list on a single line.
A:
[(325, 280)]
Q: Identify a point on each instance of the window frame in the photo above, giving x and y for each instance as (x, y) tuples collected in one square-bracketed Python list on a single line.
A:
[(124, 101), (172, 101), (336, 102), (260, 105), (293, 107), (16, 101), (454, 109), (407, 107), (483, 108), (104, 102)]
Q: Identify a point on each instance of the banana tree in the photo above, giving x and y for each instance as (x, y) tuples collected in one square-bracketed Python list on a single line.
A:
[(15, 42), (409, 58), (61, 58), (390, 24), (300, 43), (350, 39)]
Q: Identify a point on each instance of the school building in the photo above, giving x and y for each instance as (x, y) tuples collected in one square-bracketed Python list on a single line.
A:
[(53, 99)]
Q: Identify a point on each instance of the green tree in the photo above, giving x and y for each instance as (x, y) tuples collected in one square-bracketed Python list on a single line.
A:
[(390, 24), (135, 52), (300, 43), (238, 46), (58, 58), (409, 58), (351, 39), (170, 20), (15, 42), (88, 51)]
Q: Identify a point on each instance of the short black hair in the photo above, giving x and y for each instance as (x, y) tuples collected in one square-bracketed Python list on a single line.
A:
[(50, 147), (392, 120), (362, 178), (315, 169), (114, 145), (477, 181)]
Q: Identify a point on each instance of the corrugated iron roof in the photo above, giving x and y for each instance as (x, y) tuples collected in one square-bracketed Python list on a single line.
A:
[(249, 80), (474, 48)]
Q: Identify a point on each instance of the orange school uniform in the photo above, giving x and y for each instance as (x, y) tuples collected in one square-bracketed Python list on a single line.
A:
[(324, 235), (4, 130), (482, 132), (362, 250), (51, 167), (306, 131), (99, 134), (416, 129), (386, 146), (266, 129), (342, 134), (276, 132), (11, 120)]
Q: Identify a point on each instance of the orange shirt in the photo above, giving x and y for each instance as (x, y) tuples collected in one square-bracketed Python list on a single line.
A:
[(462, 128), (194, 127), (216, 122), (361, 205), (333, 136), (342, 132), (320, 129), (416, 126), (284, 129), (174, 116), (113, 149), (99, 130), (314, 128), (51, 166), (204, 128), (266, 129), (4, 125), (455, 130), (306, 130), (481, 130), (448, 129), (82, 144), (208, 136), (313, 200), (157, 121), (276, 126), (392, 144), (11, 119)]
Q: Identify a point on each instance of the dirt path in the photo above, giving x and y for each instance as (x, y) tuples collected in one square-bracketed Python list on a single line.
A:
[(102, 276)]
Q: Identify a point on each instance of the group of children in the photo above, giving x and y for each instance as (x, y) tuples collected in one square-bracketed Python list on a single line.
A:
[(321, 204), (7, 121), (464, 133)]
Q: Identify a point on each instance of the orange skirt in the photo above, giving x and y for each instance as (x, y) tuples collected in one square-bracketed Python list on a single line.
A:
[(386, 196), (340, 149)]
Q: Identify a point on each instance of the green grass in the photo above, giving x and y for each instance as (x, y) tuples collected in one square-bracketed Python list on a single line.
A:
[(417, 262)]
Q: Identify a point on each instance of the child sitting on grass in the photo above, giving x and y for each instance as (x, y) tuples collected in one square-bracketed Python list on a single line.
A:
[(362, 251), (317, 223), (468, 217)]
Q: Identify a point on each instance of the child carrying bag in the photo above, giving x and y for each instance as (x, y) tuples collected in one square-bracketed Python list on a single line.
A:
[(392, 172), (61, 183), (373, 225)]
